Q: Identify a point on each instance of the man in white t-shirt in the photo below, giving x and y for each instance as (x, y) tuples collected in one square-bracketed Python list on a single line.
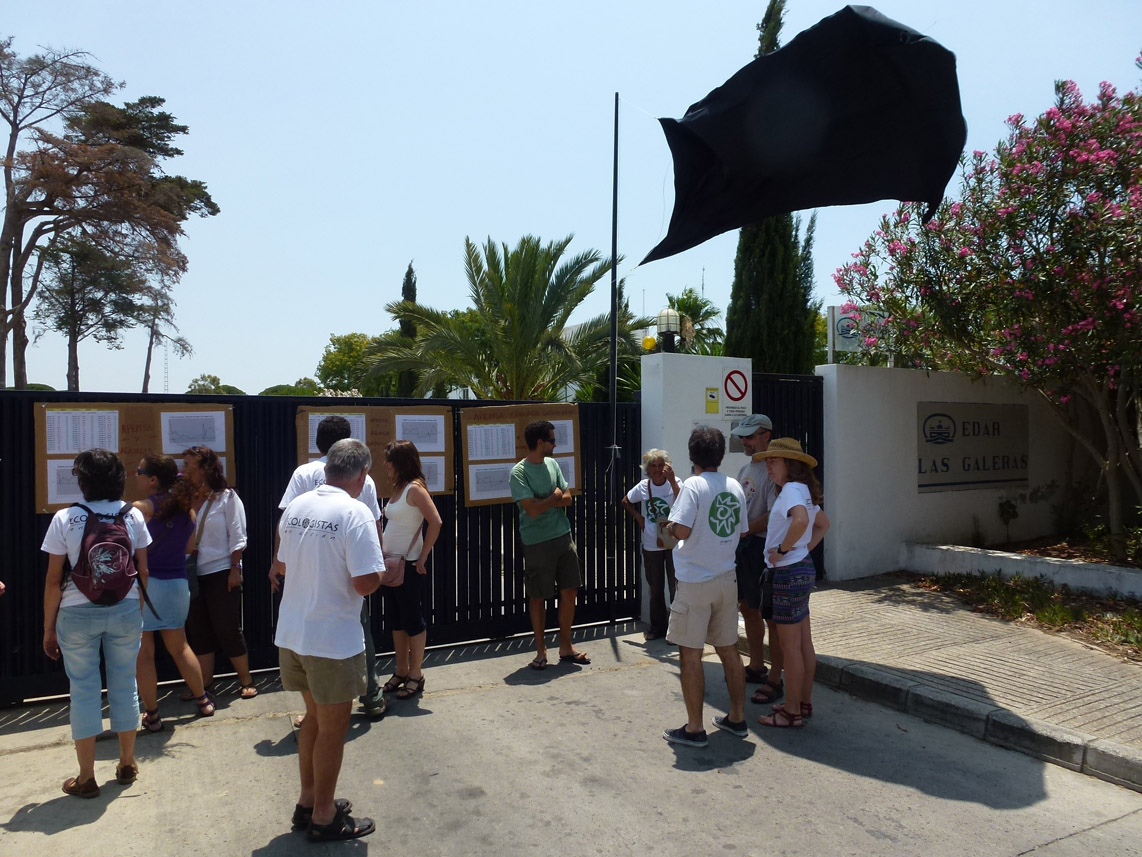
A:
[(755, 432), (709, 518), (305, 478), (332, 559)]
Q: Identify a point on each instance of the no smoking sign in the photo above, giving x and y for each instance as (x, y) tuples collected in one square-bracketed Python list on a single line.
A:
[(735, 384)]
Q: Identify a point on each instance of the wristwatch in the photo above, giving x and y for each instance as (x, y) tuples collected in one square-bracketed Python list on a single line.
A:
[(781, 551)]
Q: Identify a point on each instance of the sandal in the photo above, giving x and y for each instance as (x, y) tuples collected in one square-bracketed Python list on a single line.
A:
[(343, 826), (75, 788), (394, 683), (406, 693), (806, 708), (768, 692), (205, 705), (126, 774), (151, 721), (782, 720), (188, 695), (303, 815), (753, 675), (575, 658), (247, 691), (539, 663)]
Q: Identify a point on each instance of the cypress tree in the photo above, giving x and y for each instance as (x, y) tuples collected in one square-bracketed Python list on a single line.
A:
[(772, 314), (407, 378)]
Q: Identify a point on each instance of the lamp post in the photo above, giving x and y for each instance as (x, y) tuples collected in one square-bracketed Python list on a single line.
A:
[(669, 324)]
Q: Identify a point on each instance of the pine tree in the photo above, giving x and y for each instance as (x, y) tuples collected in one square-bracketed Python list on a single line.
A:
[(772, 313)]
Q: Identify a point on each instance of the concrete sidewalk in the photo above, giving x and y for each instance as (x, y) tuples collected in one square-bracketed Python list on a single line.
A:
[(924, 652)]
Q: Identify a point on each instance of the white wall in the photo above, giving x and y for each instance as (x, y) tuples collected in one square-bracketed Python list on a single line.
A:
[(871, 468)]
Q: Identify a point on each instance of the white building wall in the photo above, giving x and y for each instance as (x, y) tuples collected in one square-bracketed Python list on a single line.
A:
[(871, 468)]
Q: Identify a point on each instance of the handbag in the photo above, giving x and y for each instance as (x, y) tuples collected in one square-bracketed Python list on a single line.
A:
[(394, 565), (192, 558)]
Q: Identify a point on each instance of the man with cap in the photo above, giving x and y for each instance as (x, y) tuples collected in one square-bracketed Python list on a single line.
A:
[(755, 432)]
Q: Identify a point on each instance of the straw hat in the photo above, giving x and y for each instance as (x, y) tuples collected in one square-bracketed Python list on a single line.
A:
[(785, 447)]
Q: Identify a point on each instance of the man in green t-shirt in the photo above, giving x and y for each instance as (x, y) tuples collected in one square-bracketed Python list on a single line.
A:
[(549, 557)]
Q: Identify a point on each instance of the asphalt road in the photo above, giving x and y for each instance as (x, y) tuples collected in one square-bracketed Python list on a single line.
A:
[(498, 759)]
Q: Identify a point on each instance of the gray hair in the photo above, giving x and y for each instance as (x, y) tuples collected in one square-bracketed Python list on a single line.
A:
[(346, 459), (655, 455)]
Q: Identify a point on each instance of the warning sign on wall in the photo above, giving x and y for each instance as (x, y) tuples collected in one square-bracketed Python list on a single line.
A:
[(737, 400)]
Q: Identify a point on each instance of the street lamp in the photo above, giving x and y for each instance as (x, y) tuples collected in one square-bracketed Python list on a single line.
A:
[(669, 325)]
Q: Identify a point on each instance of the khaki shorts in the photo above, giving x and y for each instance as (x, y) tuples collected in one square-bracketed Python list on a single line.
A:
[(705, 612), (329, 680), (549, 565)]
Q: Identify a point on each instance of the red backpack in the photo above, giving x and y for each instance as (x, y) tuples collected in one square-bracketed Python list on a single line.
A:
[(105, 570)]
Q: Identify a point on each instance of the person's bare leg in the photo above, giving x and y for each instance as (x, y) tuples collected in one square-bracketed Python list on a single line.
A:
[(693, 686), (145, 673), (328, 751), (776, 658), (400, 653), (735, 680), (794, 666), (537, 609), (126, 747), (415, 656), (242, 667), (175, 641), (567, 599), (754, 635), (306, 737), (85, 755)]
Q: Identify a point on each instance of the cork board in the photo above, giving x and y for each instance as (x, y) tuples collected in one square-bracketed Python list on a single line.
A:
[(130, 430), (430, 428), (493, 442)]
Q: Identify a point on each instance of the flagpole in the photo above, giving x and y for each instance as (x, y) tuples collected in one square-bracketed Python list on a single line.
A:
[(616, 453)]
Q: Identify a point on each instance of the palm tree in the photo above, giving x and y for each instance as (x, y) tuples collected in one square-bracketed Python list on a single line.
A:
[(704, 337), (522, 299)]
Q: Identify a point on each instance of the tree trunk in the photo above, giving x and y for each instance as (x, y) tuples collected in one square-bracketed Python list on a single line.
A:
[(150, 352), (1114, 508), (20, 353), (72, 364)]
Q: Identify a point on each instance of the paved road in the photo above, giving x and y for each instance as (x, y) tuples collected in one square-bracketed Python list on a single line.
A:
[(497, 759)]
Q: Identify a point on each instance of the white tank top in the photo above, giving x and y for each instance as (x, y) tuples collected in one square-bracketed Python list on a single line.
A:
[(403, 519)]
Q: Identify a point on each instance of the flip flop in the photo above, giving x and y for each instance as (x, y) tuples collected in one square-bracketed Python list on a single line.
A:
[(539, 663), (248, 691), (575, 658)]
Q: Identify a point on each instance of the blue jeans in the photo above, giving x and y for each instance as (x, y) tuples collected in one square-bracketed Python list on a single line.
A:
[(84, 629)]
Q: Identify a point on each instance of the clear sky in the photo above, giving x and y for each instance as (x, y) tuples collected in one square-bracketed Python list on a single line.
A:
[(344, 139)]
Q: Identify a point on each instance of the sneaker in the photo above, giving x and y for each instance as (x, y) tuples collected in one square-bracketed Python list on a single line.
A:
[(739, 727), (374, 706), (690, 739)]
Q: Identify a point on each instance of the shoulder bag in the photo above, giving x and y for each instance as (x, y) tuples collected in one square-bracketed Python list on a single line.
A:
[(192, 559)]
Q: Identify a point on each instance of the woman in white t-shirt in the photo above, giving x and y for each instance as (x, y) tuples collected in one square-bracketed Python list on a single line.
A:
[(77, 628), (796, 526), (408, 508), (657, 492), (214, 621)]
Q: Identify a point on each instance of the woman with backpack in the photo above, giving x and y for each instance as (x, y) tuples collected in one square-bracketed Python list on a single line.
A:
[(168, 511), (214, 623), (95, 607), (657, 492)]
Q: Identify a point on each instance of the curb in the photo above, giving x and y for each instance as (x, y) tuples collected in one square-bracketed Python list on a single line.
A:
[(1078, 751)]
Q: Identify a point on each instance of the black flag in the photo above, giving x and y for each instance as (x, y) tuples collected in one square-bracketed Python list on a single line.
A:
[(855, 109)]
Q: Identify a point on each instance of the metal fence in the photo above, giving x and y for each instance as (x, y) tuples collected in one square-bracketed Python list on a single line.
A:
[(476, 568)]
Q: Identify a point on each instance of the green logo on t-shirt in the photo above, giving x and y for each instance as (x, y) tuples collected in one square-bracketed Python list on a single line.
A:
[(657, 508), (725, 514)]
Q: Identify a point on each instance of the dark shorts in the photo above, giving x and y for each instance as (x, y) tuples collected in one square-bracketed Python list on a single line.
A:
[(550, 566), (749, 560), (791, 587)]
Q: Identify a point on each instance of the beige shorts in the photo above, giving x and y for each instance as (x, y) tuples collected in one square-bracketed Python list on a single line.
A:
[(705, 612), (330, 681)]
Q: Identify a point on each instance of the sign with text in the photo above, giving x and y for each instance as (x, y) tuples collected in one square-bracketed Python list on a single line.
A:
[(967, 445)]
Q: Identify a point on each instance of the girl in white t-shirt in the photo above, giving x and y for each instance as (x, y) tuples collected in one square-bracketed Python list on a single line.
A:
[(658, 492), (796, 526)]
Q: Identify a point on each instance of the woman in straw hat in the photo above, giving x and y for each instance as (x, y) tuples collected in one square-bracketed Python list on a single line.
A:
[(796, 526)]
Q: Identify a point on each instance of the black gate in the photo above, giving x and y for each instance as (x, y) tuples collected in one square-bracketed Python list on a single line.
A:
[(476, 568)]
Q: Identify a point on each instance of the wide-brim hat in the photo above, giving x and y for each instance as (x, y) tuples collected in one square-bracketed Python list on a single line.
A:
[(785, 447)]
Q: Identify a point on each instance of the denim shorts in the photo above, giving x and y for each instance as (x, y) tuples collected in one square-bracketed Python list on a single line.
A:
[(171, 599), (82, 631)]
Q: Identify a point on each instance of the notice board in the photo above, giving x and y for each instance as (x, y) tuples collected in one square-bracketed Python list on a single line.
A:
[(130, 430), (493, 443), (430, 428)]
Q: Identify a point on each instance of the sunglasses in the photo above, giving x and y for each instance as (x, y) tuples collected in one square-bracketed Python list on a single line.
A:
[(141, 472)]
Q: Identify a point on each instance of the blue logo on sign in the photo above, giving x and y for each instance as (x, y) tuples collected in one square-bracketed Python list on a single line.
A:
[(939, 429)]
